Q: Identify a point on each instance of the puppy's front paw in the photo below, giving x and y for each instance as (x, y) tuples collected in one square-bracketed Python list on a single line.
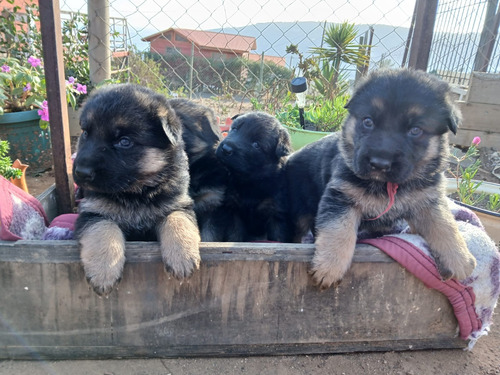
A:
[(332, 258), (102, 287), (180, 241), (457, 264), (325, 278), (182, 268), (102, 250)]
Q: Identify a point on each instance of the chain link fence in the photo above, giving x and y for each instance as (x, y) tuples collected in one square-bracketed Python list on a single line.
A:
[(247, 52), (239, 50), (465, 39)]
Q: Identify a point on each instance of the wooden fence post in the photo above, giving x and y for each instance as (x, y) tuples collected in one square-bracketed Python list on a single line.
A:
[(50, 25), (425, 16), (488, 37)]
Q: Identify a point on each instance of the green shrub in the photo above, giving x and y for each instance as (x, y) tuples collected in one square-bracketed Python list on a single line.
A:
[(6, 169), (324, 115)]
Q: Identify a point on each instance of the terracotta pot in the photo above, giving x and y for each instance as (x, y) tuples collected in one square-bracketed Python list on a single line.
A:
[(20, 182)]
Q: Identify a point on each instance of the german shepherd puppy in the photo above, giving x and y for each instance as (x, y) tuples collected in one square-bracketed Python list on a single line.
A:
[(385, 165), (209, 178), (134, 173), (254, 152)]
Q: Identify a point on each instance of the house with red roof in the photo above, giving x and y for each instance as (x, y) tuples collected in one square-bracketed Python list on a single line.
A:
[(206, 44)]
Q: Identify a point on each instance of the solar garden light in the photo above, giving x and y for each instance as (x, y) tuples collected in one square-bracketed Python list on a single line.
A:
[(299, 87)]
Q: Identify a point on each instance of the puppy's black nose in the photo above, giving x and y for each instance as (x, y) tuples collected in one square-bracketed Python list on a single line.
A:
[(381, 164), (226, 149), (84, 173)]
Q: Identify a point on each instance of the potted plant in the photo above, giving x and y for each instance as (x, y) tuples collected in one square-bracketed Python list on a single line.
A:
[(6, 168), (482, 197), (24, 116), (76, 62), (23, 109), (330, 80), (321, 117)]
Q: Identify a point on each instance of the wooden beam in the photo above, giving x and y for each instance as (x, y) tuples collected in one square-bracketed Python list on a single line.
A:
[(484, 88), (50, 25), (246, 299), (488, 37), (422, 36)]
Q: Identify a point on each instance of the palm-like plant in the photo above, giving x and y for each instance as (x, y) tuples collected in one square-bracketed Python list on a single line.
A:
[(341, 48)]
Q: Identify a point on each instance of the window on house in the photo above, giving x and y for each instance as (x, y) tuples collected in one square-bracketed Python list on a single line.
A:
[(180, 38)]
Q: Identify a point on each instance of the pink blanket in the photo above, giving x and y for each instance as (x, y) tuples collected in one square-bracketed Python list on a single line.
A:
[(474, 298)]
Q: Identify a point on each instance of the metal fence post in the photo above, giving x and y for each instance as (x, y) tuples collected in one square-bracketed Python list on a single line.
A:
[(99, 44), (425, 16), (191, 68), (261, 75)]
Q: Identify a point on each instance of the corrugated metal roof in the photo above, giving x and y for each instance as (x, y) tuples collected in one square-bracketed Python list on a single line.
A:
[(210, 39)]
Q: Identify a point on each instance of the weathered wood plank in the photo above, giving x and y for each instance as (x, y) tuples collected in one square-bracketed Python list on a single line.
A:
[(49, 202), (139, 252), (464, 137), (106, 352), (252, 298), (484, 88), (478, 116)]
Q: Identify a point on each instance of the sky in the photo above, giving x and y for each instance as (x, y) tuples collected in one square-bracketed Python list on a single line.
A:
[(214, 14)]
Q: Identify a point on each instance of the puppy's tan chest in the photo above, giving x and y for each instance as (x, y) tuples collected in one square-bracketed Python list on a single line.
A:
[(133, 216), (371, 205)]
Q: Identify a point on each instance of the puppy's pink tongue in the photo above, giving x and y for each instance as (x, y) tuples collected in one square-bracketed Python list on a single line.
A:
[(391, 192)]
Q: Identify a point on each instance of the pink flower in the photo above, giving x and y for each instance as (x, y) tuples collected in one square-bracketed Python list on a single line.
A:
[(27, 87), (82, 89), (5, 68), (476, 141), (44, 112), (34, 61), (70, 80)]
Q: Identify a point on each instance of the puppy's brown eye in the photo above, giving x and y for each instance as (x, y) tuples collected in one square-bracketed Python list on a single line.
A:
[(368, 122), (124, 142), (255, 145), (415, 131)]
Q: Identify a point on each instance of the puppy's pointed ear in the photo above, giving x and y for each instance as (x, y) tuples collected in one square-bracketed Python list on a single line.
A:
[(454, 117), (171, 124), (284, 146)]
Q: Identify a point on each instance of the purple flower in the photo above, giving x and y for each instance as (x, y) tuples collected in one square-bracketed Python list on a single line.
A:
[(5, 68), (34, 61), (70, 80), (82, 89), (27, 87), (476, 141), (44, 112)]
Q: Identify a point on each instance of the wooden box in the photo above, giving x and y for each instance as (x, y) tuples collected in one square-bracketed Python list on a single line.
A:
[(247, 299)]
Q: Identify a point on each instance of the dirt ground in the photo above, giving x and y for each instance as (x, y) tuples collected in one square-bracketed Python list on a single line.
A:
[(484, 359)]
